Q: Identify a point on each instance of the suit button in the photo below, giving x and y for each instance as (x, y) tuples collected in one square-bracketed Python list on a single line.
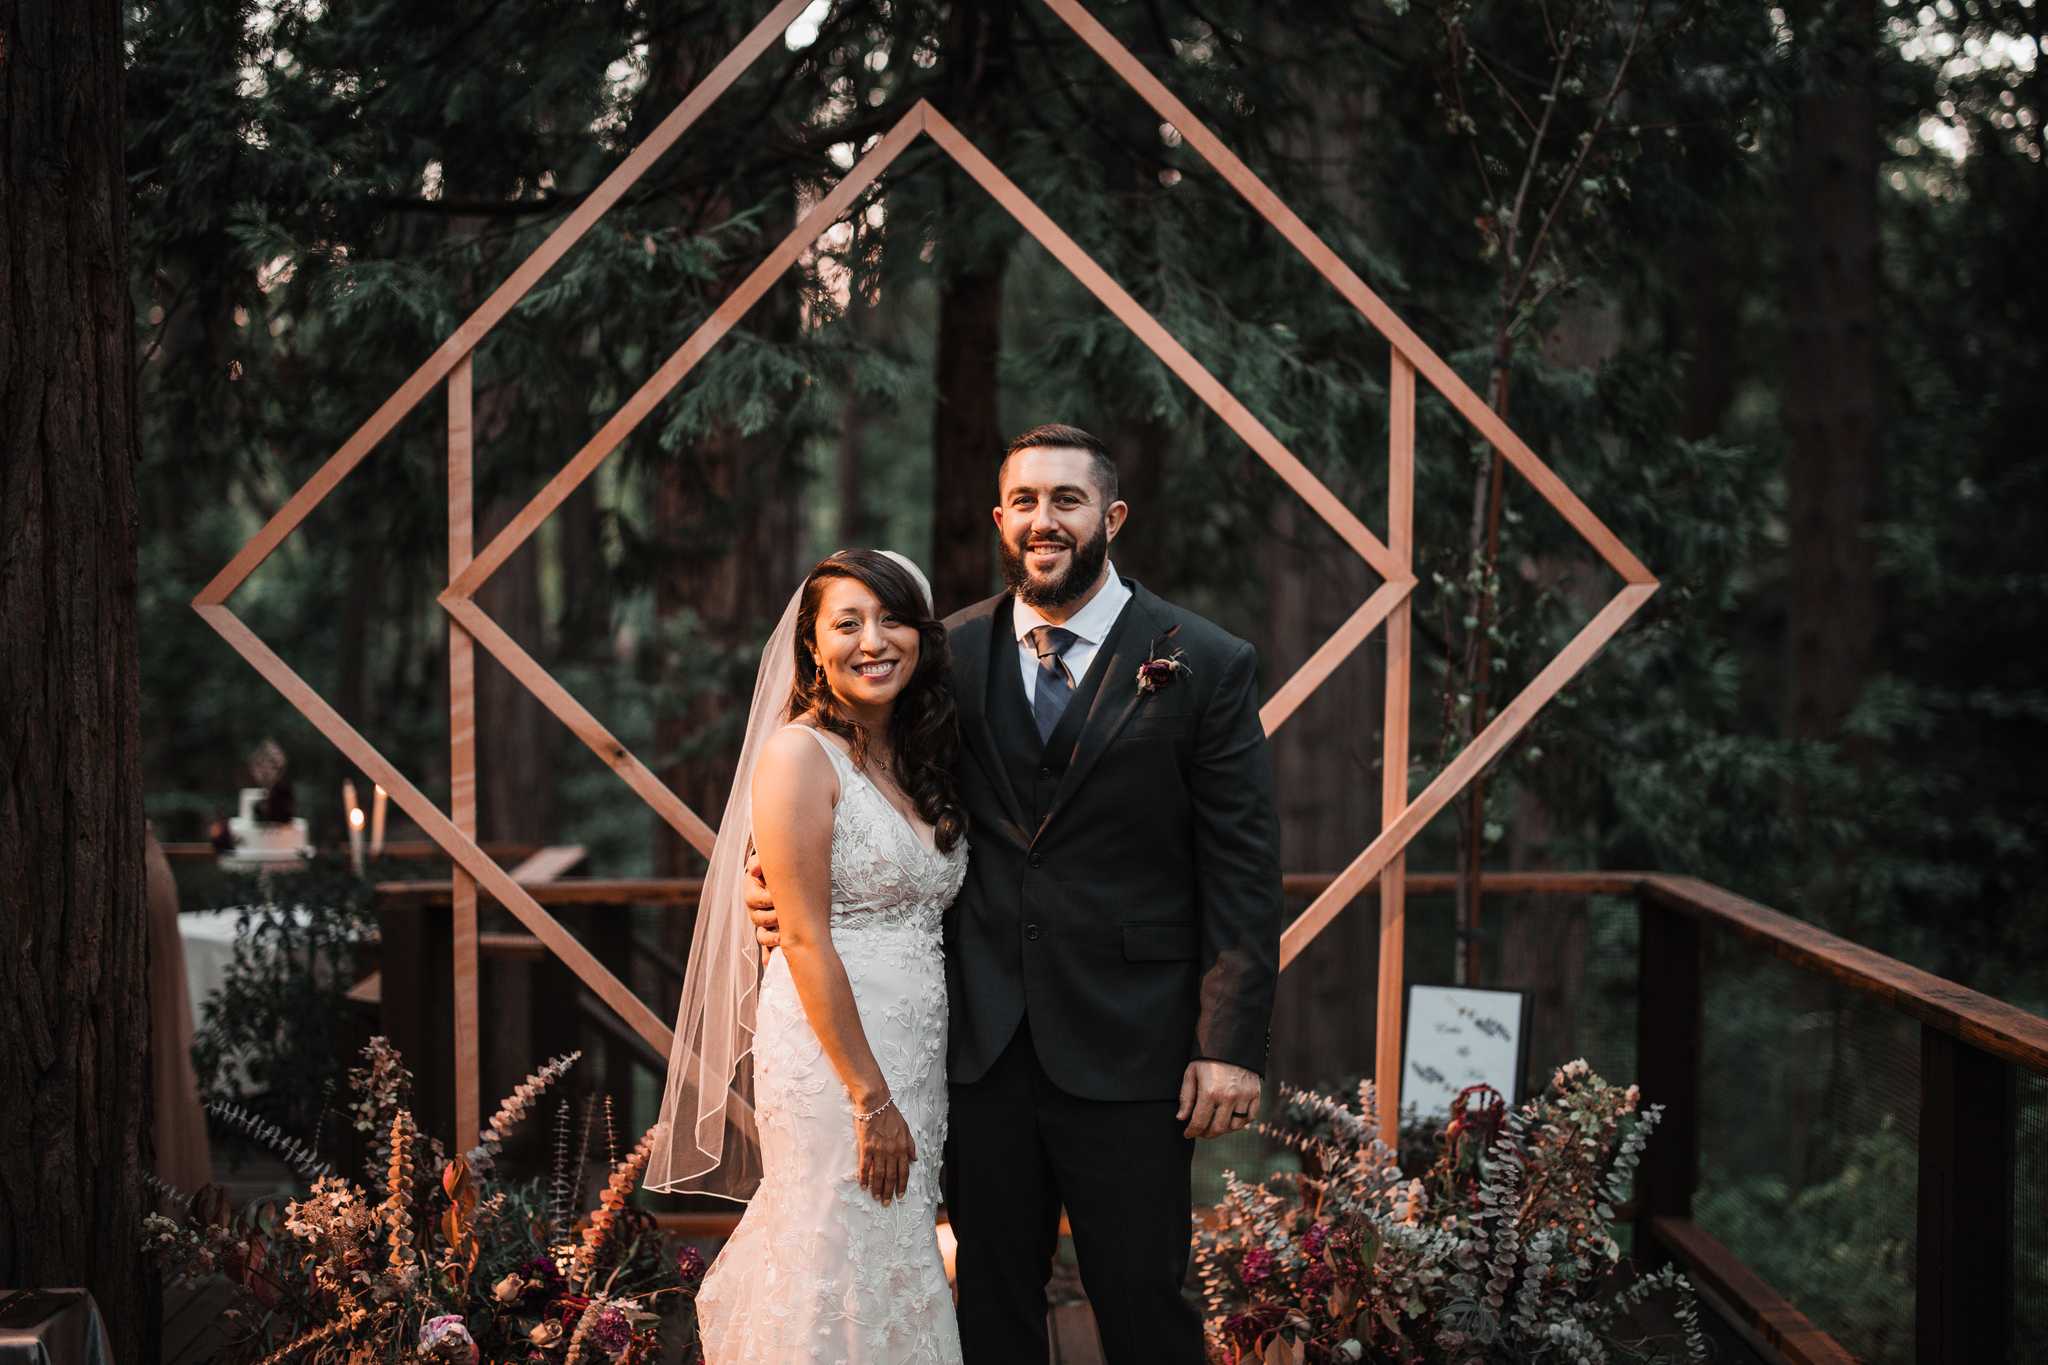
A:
[(1045, 772), (1038, 860), (1031, 931)]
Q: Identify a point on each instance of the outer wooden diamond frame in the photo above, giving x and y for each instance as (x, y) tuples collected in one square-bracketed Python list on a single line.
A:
[(1402, 818)]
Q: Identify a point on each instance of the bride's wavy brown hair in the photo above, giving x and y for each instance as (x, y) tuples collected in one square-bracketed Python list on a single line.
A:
[(924, 728)]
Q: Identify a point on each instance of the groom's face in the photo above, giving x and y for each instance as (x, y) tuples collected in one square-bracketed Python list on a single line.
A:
[(1055, 524)]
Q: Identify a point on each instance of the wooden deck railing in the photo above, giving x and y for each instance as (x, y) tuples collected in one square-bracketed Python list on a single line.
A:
[(1972, 1048)]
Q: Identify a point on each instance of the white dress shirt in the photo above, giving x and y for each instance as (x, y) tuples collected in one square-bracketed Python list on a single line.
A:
[(1091, 626)]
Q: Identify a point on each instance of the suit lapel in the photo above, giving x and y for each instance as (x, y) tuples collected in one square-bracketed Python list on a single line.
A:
[(975, 667), (1116, 693)]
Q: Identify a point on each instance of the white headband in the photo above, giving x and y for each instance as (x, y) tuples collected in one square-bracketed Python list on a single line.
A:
[(924, 584)]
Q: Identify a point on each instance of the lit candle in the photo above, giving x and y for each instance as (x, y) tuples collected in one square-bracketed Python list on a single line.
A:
[(377, 801), (354, 814)]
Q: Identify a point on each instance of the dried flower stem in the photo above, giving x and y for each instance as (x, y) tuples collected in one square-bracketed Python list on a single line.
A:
[(398, 1203), (325, 1332), (624, 1177)]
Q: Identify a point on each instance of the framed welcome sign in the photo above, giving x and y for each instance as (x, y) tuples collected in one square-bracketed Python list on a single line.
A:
[(1458, 1036)]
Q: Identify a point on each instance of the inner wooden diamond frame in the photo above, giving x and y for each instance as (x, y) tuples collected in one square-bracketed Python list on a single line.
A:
[(459, 597), (1402, 818)]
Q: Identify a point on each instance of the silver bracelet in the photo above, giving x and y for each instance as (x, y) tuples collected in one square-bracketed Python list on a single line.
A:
[(875, 1112)]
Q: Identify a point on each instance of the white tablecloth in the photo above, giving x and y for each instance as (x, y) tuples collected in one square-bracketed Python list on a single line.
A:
[(73, 1335), (208, 938)]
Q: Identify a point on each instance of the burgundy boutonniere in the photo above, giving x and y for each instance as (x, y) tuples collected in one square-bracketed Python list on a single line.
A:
[(1160, 670)]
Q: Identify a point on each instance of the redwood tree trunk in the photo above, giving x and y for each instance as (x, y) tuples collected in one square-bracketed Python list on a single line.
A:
[(1831, 323), (967, 436), (967, 432), (74, 1012), (1328, 799)]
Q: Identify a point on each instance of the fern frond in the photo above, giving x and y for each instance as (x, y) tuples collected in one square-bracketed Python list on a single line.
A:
[(300, 1157), (558, 1185), (165, 1190), (514, 1110), (582, 1156)]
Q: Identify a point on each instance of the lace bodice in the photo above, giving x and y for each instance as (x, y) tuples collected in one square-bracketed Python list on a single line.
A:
[(882, 869)]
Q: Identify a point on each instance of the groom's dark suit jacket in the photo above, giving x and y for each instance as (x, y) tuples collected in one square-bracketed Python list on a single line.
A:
[(1124, 887)]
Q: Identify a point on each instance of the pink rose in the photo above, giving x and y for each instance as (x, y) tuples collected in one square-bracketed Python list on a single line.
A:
[(447, 1338)]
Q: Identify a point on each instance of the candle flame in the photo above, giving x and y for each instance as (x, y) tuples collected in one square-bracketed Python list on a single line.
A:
[(355, 817)]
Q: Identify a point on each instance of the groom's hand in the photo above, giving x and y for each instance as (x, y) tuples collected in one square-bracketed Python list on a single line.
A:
[(1217, 1098), (761, 906)]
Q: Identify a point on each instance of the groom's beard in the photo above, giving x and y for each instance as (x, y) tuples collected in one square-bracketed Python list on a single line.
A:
[(1084, 566)]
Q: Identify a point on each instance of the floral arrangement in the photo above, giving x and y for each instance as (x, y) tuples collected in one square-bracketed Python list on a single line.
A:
[(430, 1258), (1503, 1250)]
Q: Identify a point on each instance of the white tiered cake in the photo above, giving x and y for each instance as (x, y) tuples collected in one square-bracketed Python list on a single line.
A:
[(264, 844)]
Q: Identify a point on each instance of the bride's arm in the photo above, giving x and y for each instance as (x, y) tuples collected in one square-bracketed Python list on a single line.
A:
[(793, 786)]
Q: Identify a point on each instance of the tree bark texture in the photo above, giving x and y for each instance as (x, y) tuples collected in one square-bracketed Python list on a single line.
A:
[(1328, 799), (74, 1015), (1830, 408), (967, 436), (967, 432)]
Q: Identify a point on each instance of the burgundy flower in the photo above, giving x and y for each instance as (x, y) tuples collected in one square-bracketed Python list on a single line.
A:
[(1312, 1241), (1160, 670), (542, 1271), (690, 1266), (611, 1333), (1244, 1329), (1154, 674), (1257, 1265)]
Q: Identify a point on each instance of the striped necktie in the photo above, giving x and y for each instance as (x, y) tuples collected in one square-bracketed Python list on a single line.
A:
[(1055, 686)]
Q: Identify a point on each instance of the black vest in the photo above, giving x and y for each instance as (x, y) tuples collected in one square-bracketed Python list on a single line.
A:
[(1035, 769)]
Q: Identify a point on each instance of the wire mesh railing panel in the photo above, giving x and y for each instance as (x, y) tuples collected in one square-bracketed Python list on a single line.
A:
[(2030, 1211), (1809, 1100), (1575, 958)]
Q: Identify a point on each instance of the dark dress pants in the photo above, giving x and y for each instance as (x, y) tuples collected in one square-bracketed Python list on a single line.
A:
[(1018, 1149)]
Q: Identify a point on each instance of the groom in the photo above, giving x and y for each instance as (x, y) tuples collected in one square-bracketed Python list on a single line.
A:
[(1111, 960)]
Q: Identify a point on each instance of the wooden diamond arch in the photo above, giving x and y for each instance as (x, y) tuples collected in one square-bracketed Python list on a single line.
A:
[(1402, 817)]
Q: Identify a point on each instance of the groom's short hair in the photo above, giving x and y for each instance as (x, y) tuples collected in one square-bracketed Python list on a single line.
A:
[(1060, 434)]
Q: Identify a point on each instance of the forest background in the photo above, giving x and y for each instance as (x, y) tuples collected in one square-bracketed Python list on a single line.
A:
[(1762, 283)]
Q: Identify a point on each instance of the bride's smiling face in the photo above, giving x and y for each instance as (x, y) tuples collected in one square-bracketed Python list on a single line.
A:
[(866, 653)]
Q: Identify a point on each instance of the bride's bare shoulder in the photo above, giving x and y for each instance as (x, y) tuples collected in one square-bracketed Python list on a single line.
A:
[(791, 761)]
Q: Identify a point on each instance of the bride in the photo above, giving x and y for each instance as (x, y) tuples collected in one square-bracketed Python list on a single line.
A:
[(816, 1087)]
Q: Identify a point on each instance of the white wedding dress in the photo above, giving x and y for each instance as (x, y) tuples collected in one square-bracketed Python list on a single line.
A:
[(818, 1270)]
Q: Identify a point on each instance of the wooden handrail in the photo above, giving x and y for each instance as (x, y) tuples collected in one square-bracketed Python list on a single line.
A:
[(417, 850), (2005, 1031), (599, 891)]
